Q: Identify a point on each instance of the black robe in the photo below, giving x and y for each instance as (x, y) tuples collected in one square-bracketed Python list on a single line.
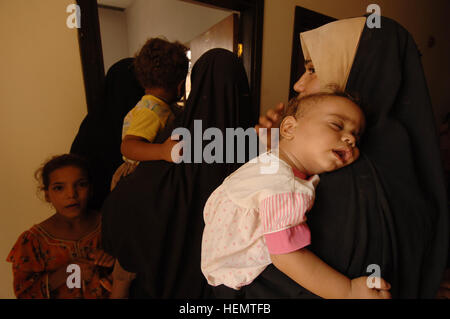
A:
[(100, 133), (389, 208), (153, 220)]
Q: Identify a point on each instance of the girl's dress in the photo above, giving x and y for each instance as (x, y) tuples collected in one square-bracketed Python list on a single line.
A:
[(37, 254)]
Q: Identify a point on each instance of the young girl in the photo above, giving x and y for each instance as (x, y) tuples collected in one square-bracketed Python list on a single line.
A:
[(72, 235), (254, 219)]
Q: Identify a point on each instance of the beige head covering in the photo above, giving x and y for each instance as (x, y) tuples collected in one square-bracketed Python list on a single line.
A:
[(332, 48)]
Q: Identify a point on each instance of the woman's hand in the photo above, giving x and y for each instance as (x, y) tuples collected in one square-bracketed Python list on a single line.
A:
[(129, 168), (102, 259), (444, 289), (360, 290), (270, 120)]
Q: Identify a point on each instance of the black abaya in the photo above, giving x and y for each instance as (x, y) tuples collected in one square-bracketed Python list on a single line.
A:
[(100, 133), (389, 208), (153, 220)]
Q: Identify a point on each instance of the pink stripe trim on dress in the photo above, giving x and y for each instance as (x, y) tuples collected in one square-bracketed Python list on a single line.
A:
[(288, 240)]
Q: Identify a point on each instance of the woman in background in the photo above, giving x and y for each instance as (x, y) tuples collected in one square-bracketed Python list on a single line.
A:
[(153, 220), (100, 134)]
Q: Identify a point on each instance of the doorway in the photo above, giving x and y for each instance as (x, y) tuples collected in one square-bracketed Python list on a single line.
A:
[(249, 37)]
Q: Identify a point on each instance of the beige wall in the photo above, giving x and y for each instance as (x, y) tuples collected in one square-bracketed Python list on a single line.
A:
[(42, 103), (114, 33), (421, 18)]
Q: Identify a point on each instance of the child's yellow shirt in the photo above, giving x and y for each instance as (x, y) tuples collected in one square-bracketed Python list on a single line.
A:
[(146, 119)]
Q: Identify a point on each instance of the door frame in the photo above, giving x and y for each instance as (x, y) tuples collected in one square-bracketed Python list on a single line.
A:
[(250, 35)]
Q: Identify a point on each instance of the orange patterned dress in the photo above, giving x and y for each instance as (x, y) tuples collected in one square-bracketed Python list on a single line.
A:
[(36, 254)]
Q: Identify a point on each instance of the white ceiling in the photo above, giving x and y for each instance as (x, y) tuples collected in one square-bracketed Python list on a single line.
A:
[(116, 3)]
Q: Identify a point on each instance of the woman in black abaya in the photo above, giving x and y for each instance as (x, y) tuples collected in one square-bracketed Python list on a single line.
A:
[(388, 211), (153, 220), (100, 133)]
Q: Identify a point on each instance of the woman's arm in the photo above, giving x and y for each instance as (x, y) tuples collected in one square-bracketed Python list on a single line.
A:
[(139, 149), (312, 273)]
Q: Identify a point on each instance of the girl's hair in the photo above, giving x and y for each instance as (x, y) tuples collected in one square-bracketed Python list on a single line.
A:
[(42, 175), (161, 63)]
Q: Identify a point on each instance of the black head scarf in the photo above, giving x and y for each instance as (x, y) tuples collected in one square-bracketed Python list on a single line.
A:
[(100, 133), (389, 208), (153, 220)]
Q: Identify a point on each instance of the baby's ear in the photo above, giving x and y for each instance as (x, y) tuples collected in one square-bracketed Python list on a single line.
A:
[(287, 127)]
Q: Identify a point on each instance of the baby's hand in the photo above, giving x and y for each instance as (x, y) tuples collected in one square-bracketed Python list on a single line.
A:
[(167, 146), (360, 290), (100, 258)]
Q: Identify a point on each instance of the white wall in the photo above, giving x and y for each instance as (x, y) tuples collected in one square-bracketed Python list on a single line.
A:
[(114, 34), (174, 19), (421, 18), (42, 103)]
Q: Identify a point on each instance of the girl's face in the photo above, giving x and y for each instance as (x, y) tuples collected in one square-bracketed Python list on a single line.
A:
[(308, 82), (68, 191)]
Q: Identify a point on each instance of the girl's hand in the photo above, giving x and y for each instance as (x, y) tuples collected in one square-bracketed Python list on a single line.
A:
[(102, 259), (270, 120), (87, 268), (167, 147), (360, 290)]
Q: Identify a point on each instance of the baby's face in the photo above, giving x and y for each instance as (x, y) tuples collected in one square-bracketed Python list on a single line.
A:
[(326, 135)]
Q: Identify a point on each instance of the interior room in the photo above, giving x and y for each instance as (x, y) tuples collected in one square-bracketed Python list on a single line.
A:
[(44, 99)]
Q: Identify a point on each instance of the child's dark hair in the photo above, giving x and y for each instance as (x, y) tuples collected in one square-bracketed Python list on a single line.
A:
[(297, 106), (161, 63), (42, 175)]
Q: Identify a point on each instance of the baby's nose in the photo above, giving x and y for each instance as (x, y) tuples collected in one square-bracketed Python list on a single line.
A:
[(349, 139)]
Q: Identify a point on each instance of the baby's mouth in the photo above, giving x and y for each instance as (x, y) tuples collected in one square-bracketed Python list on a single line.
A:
[(343, 155)]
